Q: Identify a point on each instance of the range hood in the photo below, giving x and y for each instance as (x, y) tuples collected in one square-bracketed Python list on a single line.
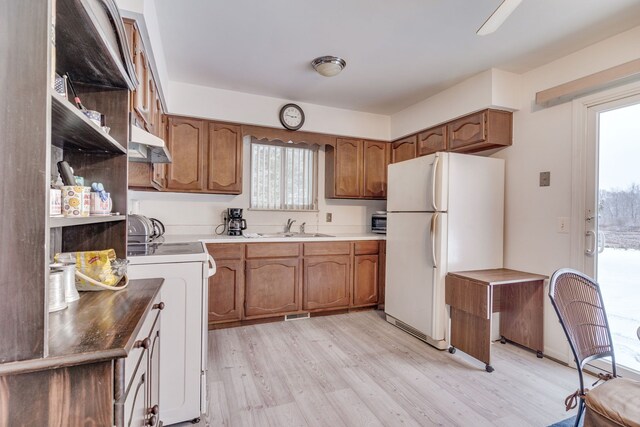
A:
[(147, 148)]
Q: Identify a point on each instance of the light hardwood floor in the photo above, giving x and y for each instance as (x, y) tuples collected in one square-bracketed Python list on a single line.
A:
[(357, 370)]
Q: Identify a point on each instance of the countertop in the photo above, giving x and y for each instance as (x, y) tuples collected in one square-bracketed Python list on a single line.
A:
[(99, 326), (212, 238)]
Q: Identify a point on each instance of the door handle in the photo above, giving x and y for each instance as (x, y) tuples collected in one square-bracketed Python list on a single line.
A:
[(590, 251), (212, 268), (432, 235), (434, 175)]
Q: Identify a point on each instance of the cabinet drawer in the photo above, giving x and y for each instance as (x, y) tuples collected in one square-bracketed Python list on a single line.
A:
[(137, 351), (225, 250), (367, 247), (328, 248), (273, 250)]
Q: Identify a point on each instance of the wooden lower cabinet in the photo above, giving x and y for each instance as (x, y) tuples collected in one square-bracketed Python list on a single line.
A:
[(382, 273), (365, 280), (226, 291), (272, 287), (326, 282)]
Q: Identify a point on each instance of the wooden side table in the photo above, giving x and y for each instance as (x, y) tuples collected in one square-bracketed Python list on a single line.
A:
[(474, 295)]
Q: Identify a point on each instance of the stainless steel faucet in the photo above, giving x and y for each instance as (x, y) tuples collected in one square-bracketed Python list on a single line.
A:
[(302, 227), (287, 228)]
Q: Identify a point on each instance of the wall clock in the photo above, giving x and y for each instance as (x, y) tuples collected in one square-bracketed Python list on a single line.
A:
[(292, 116)]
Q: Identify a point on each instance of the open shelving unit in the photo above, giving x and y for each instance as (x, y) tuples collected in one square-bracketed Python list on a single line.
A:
[(91, 47)]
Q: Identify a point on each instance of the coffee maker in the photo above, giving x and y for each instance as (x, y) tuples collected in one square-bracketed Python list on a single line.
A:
[(235, 223)]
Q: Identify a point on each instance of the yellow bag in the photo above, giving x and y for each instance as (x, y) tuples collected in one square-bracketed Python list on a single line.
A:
[(96, 270)]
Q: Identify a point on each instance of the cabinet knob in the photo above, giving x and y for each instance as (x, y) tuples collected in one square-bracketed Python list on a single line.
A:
[(155, 410), (152, 420), (145, 343), (159, 306)]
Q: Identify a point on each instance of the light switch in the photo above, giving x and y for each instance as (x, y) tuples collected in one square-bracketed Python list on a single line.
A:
[(329, 217), (545, 179)]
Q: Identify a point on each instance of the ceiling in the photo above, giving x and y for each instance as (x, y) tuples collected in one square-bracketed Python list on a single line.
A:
[(398, 52)]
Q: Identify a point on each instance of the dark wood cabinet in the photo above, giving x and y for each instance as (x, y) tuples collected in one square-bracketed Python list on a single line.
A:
[(480, 131), (326, 282), (226, 291), (382, 272), (224, 163), (365, 280), (403, 149), (187, 144), (356, 169), (375, 169), (432, 140), (272, 286)]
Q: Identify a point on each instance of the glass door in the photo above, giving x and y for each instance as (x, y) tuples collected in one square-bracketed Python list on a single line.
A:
[(612, 220)]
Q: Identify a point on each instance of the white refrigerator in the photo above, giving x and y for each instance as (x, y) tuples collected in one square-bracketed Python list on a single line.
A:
[(444, 213)]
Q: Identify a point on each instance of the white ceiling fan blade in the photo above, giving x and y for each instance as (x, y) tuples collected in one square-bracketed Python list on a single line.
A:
[(498, 17)]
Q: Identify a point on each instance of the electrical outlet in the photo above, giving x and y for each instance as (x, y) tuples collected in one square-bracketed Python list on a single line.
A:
[(329, 217), (545, 179), (563, 224)]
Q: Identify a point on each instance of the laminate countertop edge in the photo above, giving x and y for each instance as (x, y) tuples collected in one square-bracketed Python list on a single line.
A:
[(116, 319)]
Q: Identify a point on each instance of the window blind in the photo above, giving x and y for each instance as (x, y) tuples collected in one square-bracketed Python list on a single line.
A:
[(283, 178)]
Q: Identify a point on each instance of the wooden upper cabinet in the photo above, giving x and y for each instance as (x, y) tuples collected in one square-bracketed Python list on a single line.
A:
[(326, 282), (432, 140), (225, 159), (365, 280), (272, 287), (348, 168), (375, 169), (226, 291), (186, 140), (404, 149), (141, 96), (480, 131)]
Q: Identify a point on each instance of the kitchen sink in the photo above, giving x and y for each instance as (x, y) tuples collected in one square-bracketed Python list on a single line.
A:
[(296, 235)]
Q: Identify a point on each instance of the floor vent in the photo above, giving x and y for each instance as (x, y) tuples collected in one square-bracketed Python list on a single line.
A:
[(297, 316), (413, 331)]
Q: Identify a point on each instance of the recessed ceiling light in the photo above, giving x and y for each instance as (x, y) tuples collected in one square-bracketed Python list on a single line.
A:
[(328, 66)]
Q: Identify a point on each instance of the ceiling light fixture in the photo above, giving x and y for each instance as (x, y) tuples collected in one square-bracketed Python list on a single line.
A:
[(328, 66), (498, 17)]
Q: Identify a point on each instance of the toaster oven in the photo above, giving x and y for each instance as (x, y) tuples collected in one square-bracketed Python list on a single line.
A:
[(379, 223)]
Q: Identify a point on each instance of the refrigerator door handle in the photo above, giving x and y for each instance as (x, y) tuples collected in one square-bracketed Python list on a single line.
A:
[(432, 234), (212, 266), (434, 176)]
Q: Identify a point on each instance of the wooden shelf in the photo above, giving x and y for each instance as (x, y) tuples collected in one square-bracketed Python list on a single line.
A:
[(72, 129), (55, 221), (89, 44)]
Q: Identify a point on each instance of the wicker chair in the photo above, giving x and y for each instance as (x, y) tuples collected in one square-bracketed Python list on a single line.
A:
[(578, 302)]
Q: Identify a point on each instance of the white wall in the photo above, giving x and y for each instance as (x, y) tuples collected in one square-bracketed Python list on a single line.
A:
[(491, 88), (542, 142), (226, 105), (201, 213)]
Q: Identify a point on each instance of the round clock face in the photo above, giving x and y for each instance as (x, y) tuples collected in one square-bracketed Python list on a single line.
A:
[(292, 117)]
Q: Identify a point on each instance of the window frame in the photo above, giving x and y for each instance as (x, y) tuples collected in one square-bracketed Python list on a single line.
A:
[(315, 176)]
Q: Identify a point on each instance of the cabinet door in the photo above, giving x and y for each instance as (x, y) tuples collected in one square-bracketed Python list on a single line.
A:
[(135, 404), (432, 140), (226, 291), (272, 286), (186, 142), (382, 273), (348, 168), (159, 170), (375, 169), (141, 96), (404, 149), (153, 406), (326, 282), (467, 131), (225, 159), (365, 280)]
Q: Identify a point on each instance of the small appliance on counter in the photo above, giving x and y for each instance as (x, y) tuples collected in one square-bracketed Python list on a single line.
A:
[(235, 222), (143, 229), (379, 222)]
